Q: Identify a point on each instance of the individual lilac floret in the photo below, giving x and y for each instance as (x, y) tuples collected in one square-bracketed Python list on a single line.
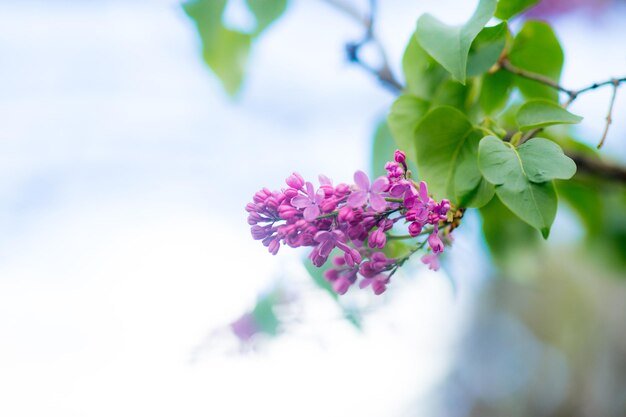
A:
[(434, 241), (432, 260), (363, 192), (309, 203), (327, 241), (295, 181)]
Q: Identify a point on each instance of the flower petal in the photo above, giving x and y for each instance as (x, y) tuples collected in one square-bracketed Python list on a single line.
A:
[(311, 212), (377, 202), (300, 201), (424, 192), (357, 199), (362, 181), (380, 185)]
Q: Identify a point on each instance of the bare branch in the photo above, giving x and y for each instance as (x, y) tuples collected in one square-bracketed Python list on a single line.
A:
[(609, 118), (383, 73)]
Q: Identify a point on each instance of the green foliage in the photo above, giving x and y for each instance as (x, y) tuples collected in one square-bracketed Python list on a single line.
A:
[(450, 45), (486, 49), (495, 91), (225, 50), (445, 140), (266, 12), (523, 175), (541, 113), (382, 149), (405, 114), (505, 233), (508, 8), (422, 73), (537, 49)]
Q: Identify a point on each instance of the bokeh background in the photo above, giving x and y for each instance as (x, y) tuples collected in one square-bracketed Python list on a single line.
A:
[(125, 255)]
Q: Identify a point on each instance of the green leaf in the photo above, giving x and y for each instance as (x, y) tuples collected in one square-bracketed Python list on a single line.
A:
[(471, 189), (495, 91), (454, 94), (225, 51), (444, 140), (422, 73), (536, 49), (505, 233), (522, 177), (383, 149), (541, 113), (266, 12), (587, 202), (486, 49), (450, 45), (508, 8), (405, 114)]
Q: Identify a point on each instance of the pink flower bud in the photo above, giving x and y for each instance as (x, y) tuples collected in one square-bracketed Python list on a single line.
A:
[(399, 157), (295, 180)]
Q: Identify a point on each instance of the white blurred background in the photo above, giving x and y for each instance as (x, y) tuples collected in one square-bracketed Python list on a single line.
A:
[(124, 171)]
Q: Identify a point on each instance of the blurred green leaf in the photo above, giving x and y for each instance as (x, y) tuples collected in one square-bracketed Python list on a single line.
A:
[(536, 49), (224, 50), (266, 12), (405, 114), (495, 91), (523, 177), (443, 141), (450, 45), (454, 94), (422, 73), (541, 113), (471, 189), (508, 8), (264, 314), (505, 233), (486, 49), (382, 150)]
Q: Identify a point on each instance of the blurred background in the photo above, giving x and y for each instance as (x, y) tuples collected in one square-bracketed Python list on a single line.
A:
[(125, 257)]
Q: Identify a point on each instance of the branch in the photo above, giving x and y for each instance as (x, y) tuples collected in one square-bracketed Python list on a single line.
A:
[(506, 64), (596, 167), (572, 94), (383, 73), (609, 118)]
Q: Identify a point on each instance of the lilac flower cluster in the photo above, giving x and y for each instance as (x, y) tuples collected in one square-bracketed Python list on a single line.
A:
[(356, 220)]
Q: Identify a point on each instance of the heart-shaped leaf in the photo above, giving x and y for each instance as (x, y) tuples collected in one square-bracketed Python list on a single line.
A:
[(523, 177)]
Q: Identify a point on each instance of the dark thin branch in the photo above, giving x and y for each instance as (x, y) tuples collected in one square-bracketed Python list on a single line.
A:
[(506, 64), (383, 72), (598, 167), (572, 94), (609, 116)]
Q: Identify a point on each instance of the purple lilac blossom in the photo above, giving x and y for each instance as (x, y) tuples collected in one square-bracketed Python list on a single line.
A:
[(355, 221)]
